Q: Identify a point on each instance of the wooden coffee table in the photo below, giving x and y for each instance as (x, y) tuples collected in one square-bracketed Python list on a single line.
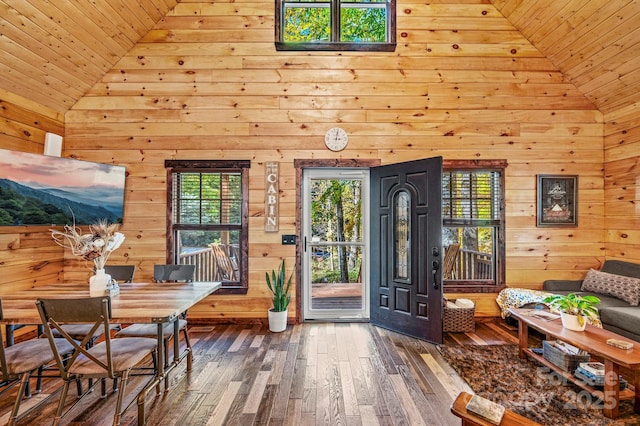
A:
[(593, 340)]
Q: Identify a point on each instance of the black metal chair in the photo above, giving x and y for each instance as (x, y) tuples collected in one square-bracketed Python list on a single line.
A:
[(173, 273), (20, 360), (121, 273), (109, 358), (164, 273)]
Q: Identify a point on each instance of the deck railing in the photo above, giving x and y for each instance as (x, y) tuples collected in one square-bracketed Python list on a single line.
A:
[(205, 263), (469, 265), (473, 265)]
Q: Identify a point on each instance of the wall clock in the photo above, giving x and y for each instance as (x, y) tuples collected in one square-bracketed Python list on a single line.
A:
[(336, 139)]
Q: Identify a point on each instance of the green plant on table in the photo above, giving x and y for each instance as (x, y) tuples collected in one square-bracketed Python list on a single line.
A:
[(574, 304), (279, 287)]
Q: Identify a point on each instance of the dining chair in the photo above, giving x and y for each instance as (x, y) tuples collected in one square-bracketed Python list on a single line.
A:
[(110, 358), (121, 273), (20, 360), (161, 274), (173, 273)]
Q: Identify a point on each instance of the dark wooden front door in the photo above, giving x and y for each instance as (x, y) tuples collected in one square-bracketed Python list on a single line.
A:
[(406, 235)]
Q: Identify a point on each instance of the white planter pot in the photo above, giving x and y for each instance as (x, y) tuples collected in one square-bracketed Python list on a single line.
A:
[(571, 322), (277, 321)]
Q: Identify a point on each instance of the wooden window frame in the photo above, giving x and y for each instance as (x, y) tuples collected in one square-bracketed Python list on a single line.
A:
[(499, 281), (388, 46), (214, 166)]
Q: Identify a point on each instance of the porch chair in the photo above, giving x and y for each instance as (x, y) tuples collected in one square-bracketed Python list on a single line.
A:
[(164, 273), (226, 269), (19, 360), (449, 261), (109, 358)]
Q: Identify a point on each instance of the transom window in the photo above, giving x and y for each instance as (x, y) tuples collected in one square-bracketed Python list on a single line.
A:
[(359, 25), (473, 229), (208, 220)]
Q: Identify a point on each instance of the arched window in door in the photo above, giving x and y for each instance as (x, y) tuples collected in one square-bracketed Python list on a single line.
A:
[(402, 224)]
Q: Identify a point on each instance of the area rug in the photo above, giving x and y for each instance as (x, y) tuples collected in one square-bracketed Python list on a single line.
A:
[(528, 388)]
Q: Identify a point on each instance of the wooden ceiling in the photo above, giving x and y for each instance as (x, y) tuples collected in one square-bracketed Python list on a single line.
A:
[(595, 43), (53, 52)]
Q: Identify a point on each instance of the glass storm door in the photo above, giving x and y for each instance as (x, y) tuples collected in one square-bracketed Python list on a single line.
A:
[(335, 220)]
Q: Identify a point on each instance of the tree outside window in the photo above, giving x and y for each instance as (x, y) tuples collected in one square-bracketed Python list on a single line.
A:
[(364, 25)]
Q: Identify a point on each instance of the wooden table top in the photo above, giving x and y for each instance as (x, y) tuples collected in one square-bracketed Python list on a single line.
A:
[(592, 339), (136, 303)]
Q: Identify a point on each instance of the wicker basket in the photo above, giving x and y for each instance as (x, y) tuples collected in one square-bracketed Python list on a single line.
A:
[(563, 360), (458, 320)]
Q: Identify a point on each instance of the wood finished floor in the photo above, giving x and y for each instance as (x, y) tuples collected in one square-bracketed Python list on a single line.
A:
[(311, 374)]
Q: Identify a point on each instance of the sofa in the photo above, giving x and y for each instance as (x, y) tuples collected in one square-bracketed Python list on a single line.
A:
[(617, 284)]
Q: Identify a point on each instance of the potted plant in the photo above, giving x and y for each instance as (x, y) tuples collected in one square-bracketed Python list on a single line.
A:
[(281, 298), (574, 309)]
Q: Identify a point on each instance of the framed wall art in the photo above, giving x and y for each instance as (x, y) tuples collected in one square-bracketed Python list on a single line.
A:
[(557, 200), (47, 190)]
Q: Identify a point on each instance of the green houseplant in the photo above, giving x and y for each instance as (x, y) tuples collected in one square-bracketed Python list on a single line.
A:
[(279, 287), (574, 309)]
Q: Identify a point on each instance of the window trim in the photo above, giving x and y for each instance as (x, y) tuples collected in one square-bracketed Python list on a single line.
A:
[(214, 166), (453, 286), (389, 46)]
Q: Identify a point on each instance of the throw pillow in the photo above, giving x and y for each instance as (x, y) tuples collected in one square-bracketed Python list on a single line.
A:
[(619, 286)]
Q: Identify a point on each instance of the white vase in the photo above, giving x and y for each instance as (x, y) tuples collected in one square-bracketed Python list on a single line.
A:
[(277, 321), (98, 283), (572, 323)]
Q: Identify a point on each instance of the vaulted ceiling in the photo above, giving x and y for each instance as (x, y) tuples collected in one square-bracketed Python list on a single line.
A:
[(53, 52)]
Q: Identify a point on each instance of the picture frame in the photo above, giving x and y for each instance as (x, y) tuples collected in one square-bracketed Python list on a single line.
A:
[(557, 200), (38, 190)]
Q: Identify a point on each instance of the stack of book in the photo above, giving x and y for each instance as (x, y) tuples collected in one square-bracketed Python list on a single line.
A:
[(592, 373)]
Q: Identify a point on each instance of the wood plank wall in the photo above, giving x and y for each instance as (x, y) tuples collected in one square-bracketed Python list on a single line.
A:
[(462, 83), (28, 256), (622, 183)]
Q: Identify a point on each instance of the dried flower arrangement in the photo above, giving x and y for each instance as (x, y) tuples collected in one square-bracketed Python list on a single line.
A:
[(102, 239)]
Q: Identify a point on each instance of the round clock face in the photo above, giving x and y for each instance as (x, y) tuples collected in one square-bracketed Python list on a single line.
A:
[(336, 139)]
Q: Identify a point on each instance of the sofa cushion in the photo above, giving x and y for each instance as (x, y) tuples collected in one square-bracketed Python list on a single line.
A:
[(627, 319), (619, 286), (621, 267)]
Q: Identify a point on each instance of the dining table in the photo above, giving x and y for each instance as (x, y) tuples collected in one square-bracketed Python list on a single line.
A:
[(138, 302)]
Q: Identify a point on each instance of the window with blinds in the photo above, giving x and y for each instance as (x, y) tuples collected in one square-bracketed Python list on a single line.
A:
[(208, 220), (470, 197), (207, 198), (473, 228)]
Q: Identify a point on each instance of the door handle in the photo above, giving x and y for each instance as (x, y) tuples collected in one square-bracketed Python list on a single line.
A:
[(435, 268)]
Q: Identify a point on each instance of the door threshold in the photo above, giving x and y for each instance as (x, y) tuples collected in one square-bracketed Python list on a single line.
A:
[(343, 319)]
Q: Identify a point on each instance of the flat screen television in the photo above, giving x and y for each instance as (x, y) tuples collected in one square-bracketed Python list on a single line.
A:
[(45, 190)]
